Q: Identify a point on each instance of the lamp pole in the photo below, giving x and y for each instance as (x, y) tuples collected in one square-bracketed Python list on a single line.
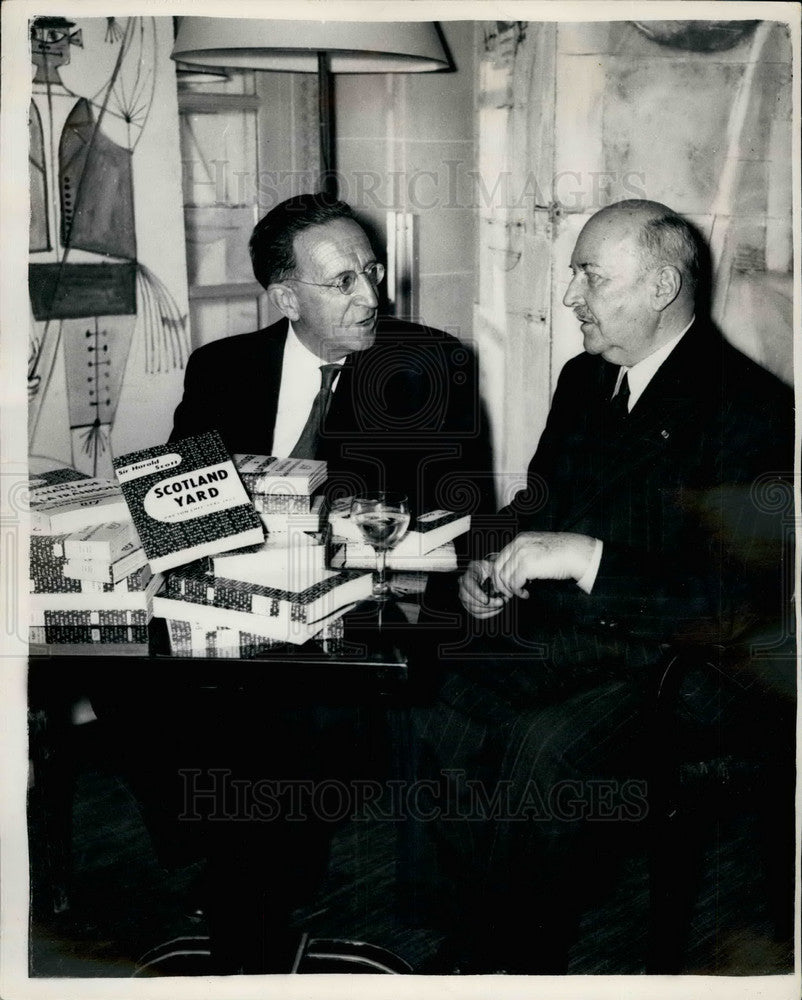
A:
[(325, 81)]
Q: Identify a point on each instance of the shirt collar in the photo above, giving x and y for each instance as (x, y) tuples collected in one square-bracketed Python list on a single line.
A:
[(641, 374), (299, 355)]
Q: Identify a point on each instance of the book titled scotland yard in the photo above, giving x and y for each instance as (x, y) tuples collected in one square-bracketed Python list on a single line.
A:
[(187, 501)]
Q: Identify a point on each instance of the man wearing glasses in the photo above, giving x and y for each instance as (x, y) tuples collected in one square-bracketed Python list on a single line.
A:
[(387, 403)]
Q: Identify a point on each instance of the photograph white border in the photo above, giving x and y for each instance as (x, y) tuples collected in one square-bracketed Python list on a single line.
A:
[(15, 95)]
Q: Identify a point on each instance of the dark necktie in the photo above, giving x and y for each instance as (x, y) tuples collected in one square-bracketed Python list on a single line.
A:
[(619, 404), (307, 443)]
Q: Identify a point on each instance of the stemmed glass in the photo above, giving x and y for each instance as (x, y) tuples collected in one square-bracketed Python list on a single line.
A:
[(383, 519)]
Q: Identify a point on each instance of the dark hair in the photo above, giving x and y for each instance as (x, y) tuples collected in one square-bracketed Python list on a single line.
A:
[(271, 242)]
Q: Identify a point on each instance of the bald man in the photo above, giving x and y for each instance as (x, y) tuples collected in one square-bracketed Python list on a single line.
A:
[(638, 528)]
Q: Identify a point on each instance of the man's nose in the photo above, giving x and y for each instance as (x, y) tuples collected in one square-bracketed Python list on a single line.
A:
[(573, 294), (366, 291)]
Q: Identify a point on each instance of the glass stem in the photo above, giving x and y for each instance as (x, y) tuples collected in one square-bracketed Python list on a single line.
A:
[(381, 557)]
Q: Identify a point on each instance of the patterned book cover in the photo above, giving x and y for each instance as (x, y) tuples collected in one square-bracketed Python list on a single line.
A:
[(56, 583), (67, 506), (52, 583), (275, 503), (46, 558), (58, 645), (187, 501), (48, 549), (45, 584), (78, 606), (196, 640), (54, 477), (265, 474), (282, 627), (138, 580), (105, 634), (97, 619), (330, 591), (434, 520)]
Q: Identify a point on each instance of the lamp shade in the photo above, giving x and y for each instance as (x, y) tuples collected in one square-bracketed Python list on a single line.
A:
[(199, 74), (292, 46)]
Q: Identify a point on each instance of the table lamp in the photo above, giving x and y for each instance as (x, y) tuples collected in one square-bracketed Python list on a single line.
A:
[(324, 47)]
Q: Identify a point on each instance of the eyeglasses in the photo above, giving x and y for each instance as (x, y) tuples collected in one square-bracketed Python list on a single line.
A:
[(346, 282)]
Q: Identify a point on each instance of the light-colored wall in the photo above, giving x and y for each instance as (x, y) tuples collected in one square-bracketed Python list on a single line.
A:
[(406, 141), (707, 133), (629, 117), (403, 141)]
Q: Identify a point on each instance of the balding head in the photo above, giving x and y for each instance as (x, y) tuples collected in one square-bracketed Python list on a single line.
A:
[(635, 267), (663, 236)]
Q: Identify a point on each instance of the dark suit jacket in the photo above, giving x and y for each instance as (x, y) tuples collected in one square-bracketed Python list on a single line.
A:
[(680, 495), (405, 415)]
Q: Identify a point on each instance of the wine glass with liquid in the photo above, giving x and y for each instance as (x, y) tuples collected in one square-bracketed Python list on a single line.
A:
[(383, 519)]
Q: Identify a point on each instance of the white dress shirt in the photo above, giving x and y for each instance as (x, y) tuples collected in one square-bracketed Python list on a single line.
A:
[(638, 377), (300, 383), (641, 374)]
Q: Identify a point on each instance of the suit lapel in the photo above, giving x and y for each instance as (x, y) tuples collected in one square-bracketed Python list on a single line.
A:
[(271, 361), (670, 402)]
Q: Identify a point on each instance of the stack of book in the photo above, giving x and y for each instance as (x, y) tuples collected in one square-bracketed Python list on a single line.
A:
[(245, 601), (287, 602), (428, 546), (91, 589), (283, 491)]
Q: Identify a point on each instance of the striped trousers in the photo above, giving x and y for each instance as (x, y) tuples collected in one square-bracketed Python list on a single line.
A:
[(523, 809)]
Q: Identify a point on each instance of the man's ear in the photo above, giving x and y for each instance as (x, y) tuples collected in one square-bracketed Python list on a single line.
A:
[(285, 300), (667, 285)]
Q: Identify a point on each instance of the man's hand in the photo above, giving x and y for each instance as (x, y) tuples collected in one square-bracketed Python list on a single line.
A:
[(473, 590), (541, 555)]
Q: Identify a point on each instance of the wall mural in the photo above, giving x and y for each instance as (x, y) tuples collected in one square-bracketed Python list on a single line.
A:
[(89, 294)]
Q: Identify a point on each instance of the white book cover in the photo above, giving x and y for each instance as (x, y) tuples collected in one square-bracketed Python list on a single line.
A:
[(107, 542), (65, 507), (281, 559), (426, 533), (103, 572), (357, 555)]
